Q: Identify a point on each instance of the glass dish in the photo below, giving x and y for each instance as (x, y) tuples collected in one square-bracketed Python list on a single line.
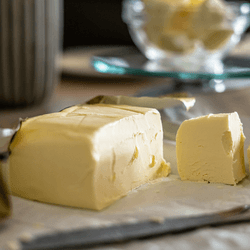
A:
[(130, 61), (191, 41)]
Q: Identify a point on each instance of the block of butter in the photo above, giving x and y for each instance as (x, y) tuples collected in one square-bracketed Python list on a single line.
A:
[(210, 148), (87, 156)]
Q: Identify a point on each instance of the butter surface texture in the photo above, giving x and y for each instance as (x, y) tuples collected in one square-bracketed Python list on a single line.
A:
[(210, 148), (87, 156)]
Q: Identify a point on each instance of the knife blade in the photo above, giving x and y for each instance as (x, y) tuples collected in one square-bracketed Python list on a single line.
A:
[(90, 237)]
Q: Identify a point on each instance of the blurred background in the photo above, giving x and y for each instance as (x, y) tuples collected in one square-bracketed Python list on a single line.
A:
[(95, 22)]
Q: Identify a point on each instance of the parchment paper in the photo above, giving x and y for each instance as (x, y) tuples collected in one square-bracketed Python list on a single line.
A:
[(169, 198)]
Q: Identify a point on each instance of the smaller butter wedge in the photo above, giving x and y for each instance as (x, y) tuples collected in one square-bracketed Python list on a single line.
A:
[(210, 148)]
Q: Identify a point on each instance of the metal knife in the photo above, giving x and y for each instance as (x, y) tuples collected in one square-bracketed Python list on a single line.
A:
[(90, 237)]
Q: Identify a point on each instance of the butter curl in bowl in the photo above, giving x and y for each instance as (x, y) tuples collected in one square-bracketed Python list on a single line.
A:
[(197, 32)]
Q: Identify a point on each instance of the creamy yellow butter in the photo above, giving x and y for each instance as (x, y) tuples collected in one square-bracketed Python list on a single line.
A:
[(180, 26), (210, 26), (210, 148), (87, 156)]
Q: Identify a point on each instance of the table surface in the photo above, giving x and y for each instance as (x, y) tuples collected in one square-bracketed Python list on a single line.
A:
[(72, 91)]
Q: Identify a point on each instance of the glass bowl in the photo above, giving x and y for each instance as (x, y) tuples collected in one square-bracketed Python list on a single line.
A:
[(186, 34)]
